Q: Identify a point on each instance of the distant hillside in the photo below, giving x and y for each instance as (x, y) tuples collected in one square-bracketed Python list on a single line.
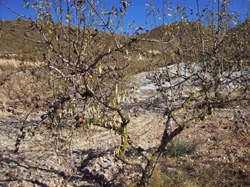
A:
[(178, 30), (19, 46), (22, 41), (239, 41), (178, 37), (235, 44), (15, 44)]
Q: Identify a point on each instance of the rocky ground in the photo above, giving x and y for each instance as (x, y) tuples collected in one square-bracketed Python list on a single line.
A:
[(222, 146), (223, 150), (89, 161), (85, 157)]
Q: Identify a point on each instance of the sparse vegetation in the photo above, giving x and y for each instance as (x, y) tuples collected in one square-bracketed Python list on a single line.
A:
[(82, 80), (179, 148)]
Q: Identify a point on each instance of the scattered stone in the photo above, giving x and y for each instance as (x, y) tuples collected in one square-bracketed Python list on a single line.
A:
[(172, 170)]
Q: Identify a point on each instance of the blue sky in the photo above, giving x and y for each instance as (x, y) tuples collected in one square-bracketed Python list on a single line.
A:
[(137, 12)]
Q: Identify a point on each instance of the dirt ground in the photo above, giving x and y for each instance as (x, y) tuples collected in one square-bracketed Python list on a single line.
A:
[(222, 157), (85, 156)]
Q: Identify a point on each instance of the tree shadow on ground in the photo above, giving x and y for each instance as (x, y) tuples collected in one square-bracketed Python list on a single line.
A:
[(15, 164)]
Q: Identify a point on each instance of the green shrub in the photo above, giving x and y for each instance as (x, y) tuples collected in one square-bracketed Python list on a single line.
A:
[(179, 148)]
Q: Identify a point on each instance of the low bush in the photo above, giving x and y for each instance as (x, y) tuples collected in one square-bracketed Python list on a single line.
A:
[(178, 148)]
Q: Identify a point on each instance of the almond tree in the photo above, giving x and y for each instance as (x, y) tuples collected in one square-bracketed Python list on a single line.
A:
[(210, 69), (83, 67)]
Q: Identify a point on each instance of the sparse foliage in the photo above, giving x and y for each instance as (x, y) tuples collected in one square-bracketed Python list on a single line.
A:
[(81, 81)]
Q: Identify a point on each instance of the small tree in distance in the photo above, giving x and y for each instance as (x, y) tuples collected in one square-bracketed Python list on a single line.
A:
[(84, 67)]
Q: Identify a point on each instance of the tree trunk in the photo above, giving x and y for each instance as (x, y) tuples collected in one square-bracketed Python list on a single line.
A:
[(147, 174), (149, 169)]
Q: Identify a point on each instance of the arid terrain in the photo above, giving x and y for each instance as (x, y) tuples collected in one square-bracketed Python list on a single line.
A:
[(221, 155), (87, 89)]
